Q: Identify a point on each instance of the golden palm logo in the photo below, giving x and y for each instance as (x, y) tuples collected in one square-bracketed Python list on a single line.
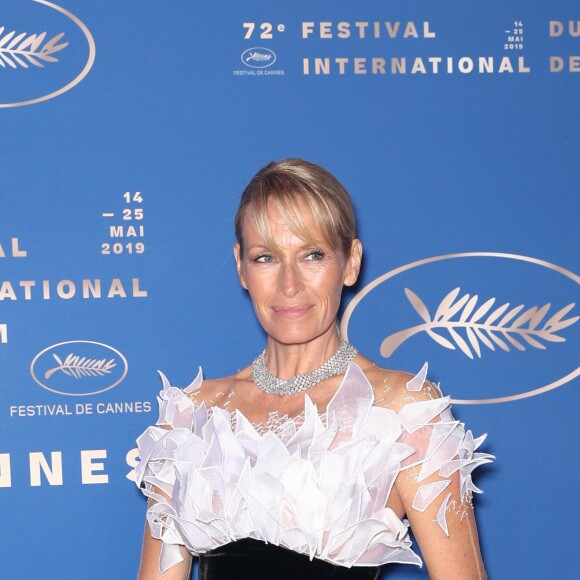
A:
[(77, 367), (24, 49), (100, 368), (483, 325), (32, 51)]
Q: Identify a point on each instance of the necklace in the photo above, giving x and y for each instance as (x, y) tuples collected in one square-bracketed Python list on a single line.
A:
[(335, 365)]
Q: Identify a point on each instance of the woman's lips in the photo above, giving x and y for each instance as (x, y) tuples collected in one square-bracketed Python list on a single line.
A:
[(292, 312)]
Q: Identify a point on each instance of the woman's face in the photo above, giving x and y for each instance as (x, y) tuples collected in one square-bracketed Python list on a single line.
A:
[(295, 286)]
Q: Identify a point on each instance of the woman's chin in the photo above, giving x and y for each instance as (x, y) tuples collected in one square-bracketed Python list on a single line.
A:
[(300, 335)]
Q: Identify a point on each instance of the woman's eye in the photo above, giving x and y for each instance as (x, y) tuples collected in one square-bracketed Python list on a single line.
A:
[(263, 258), (315, 255)]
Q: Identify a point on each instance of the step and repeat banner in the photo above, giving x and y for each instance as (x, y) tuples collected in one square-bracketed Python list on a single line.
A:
[(128, 131)]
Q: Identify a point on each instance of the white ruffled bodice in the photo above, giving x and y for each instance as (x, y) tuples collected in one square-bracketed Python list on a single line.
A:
[(318, 485)]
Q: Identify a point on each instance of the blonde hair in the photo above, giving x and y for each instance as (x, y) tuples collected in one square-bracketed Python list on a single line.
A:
[(295, 185)]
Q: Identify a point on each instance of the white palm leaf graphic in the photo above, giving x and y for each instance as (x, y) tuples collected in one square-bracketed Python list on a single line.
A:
[(81, 367), (470, 326), (24, 49), (258, 57)]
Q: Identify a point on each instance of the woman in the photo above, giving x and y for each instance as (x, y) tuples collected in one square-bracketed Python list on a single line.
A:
[(304, 463)]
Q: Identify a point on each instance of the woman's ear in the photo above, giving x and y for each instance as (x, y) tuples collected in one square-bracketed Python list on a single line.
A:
[(240, 266), (353, 263)]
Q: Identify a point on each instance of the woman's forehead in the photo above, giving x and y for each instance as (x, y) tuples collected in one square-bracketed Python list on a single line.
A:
[(279, 224)]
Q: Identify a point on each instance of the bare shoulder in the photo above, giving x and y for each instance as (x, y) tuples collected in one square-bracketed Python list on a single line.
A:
[(395, 388), (217, 392)]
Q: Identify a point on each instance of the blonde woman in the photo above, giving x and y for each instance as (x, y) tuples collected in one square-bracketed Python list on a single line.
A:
[(311, 461)]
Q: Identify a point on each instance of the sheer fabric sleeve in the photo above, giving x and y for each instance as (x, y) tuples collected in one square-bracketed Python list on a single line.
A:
[(435, 482), (162, 447)]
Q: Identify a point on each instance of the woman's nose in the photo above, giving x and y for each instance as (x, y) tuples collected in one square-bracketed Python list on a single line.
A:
[(289, 283)]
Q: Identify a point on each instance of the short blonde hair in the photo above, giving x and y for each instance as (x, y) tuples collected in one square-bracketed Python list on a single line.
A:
[(293, 185)]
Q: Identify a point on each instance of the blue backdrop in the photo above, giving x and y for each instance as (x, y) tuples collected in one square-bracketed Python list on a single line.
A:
[(128, 131)]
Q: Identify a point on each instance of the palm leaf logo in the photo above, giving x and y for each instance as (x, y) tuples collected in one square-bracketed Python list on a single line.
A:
[(24, 49), (77, 367), (470, 326)]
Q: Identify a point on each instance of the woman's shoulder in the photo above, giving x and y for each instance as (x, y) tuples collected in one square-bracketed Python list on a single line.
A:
[(217, 391), (395, 388)]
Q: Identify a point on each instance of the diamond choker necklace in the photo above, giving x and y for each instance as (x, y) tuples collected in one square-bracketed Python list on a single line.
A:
[(335, 365)]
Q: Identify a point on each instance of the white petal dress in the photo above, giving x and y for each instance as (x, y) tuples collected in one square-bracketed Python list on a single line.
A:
[(317, 484)]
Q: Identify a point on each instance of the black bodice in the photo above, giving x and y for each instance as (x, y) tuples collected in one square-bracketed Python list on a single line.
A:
[(256, 560)]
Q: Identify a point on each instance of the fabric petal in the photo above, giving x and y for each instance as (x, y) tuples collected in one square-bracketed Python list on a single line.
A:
[(416, 383), (441, 515), (196, 383), (427, 493), (352, 405)]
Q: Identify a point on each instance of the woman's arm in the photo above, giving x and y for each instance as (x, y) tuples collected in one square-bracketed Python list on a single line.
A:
[(456, 555), (149, 567), (434, 487), (152, 546)]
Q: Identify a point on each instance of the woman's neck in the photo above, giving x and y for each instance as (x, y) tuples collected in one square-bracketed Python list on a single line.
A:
[(288, 360)]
